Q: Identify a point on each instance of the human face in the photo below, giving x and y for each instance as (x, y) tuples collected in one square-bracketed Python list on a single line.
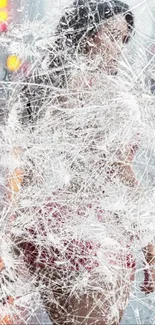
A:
[(106, 45)]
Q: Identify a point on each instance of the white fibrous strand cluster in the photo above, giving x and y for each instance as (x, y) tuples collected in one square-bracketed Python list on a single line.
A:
[(84, 206)]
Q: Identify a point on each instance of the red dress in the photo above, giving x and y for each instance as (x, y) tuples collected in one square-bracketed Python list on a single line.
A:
[(70, 254)]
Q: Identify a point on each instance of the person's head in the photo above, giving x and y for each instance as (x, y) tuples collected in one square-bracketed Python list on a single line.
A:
[(95, 27)]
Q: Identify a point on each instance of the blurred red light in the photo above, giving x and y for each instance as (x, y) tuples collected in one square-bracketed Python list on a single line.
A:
[(3, 27)]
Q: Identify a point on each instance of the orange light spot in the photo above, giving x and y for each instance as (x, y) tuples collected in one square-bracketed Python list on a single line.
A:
[(16, 180), (3, 3), (6, 320), (2, 265), (3, 16), (13, 63)]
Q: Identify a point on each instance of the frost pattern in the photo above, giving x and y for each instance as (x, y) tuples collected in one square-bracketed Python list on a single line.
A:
[(77, 152)]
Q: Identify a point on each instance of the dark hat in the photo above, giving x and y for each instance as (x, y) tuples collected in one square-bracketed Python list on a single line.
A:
[(84, 17)]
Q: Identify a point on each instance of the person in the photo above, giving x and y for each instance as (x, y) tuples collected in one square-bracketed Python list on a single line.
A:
[(91, 29)]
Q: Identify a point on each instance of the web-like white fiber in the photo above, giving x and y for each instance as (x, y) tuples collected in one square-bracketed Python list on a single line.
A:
[(86, 208)]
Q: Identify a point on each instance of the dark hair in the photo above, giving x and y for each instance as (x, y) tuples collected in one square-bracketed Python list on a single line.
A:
[(81, 20), (84, 17)]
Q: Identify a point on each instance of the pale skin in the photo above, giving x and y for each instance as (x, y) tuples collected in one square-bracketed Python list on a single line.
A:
[(107, 43)]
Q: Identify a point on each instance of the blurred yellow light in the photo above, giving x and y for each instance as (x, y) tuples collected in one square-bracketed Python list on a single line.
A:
[(3, 3), (3, 15), (13, 63)]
